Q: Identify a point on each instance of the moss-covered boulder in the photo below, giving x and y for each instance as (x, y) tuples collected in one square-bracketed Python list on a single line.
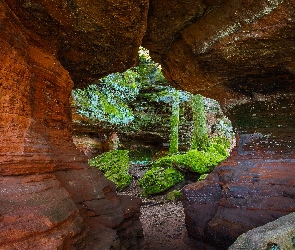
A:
[(159, 179), (115, 165)]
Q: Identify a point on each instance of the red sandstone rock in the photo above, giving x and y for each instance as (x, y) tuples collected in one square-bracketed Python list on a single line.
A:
[(90, 38), (211, 46), (218, 48), (48, 194), (36, 212), (248, 190)]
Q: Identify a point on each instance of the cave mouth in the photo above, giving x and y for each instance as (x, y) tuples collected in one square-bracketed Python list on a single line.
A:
[(49, 46), (148, 140), (271, 117), (136, 105)]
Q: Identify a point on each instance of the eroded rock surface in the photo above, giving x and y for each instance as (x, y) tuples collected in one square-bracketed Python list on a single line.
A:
[(91, 39), (214, 47), (255, 185), (220, 47), (50, 198)]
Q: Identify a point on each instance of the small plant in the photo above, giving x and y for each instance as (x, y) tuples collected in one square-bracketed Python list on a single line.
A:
[(174, 195), (115, 165), (159, 179), (202, 177)]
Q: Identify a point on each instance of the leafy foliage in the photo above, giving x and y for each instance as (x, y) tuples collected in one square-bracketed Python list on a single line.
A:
[(106, 102), (168, 94), (109, 99), (224, 127), (115, 165), (159, 179)]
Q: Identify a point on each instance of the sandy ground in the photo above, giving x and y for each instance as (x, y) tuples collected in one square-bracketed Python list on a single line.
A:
[(164, 228), (163, 221)]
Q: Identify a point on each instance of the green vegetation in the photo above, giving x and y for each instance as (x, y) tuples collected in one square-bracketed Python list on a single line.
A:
[(164, 172), (202, 177), (174, 195), (200, 138), (199, 161), (174, 125), (108, 101), (131, 98), (115, 165), (159, 179)]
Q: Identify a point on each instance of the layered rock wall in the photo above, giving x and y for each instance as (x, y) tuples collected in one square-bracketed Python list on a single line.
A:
[(220, 48), (50, 198), (255, 185), (224, 48)]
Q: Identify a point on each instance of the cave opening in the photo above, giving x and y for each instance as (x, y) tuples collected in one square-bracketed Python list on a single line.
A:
[(231, 51), (139, 124)]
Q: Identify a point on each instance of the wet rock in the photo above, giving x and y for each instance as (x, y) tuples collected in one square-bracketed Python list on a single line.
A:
[(278, 234)]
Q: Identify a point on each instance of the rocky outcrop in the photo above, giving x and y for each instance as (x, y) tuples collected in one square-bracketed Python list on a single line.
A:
[(255, 185), (222, 48), (230, 50), (278, 234), (90, 39), (50, 198)]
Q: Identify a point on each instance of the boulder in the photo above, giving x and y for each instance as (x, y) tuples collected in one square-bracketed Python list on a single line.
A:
[(278, 234)]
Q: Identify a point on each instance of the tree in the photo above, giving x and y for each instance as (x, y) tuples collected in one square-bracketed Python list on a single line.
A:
[(174, 124), (200, 138), (108, 100), (175, 97)]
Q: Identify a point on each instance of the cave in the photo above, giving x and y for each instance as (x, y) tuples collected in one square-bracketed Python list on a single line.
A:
[(239, 53)]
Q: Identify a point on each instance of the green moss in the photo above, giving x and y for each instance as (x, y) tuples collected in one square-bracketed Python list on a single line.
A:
[(159, 179), (164, 172), (199, 161), (115, 165), (174, 125), (202, 177), (174, 195)]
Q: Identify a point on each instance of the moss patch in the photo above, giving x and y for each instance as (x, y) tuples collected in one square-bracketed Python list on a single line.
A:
[(174, 195), (115, 165), (201, 162), (159, 179)]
